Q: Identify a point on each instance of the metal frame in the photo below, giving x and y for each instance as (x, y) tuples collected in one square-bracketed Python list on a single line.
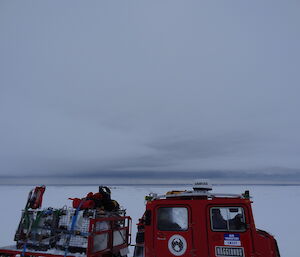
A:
[(110, 232)]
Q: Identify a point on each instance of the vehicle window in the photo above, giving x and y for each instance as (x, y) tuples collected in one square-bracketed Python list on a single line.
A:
[(227, 219), (172, 218)]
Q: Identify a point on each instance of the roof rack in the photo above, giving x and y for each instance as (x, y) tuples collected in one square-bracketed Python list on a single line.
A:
[(154, 196)]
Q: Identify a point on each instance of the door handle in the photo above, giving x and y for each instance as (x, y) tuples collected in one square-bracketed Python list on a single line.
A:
[(161, 236)]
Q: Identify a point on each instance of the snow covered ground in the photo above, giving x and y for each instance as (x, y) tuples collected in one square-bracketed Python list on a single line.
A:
[(276, 208)]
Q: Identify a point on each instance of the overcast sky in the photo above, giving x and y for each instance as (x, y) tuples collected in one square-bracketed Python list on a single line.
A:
[(131, 89)]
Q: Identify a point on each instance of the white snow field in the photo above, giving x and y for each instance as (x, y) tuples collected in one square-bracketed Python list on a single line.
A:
[(276, 208)]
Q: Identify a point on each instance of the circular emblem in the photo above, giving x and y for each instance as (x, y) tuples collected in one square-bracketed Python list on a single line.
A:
[(177, 245)]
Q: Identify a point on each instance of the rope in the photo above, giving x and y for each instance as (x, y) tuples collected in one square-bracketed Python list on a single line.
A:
[(74, 219)]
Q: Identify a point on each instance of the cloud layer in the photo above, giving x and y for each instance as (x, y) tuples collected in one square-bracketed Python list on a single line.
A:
[(103, 89)]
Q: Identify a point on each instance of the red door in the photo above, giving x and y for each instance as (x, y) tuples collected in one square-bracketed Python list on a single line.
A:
[(228, 232), (172, 231)]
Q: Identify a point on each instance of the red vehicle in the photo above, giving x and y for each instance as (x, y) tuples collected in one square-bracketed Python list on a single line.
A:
[(200, 224)]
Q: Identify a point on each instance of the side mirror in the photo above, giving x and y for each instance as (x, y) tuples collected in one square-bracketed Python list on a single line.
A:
[(148, 218)]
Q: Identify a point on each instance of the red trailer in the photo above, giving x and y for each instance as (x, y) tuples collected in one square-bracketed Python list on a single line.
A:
[(95, 226), (112, 241)]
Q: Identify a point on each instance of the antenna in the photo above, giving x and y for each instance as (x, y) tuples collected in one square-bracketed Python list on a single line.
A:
[(202, 185)]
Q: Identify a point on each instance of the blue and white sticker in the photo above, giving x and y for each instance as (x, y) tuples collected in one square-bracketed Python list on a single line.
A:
[(232, 239)]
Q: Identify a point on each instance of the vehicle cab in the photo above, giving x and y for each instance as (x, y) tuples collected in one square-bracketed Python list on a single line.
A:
[(199, 223)]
